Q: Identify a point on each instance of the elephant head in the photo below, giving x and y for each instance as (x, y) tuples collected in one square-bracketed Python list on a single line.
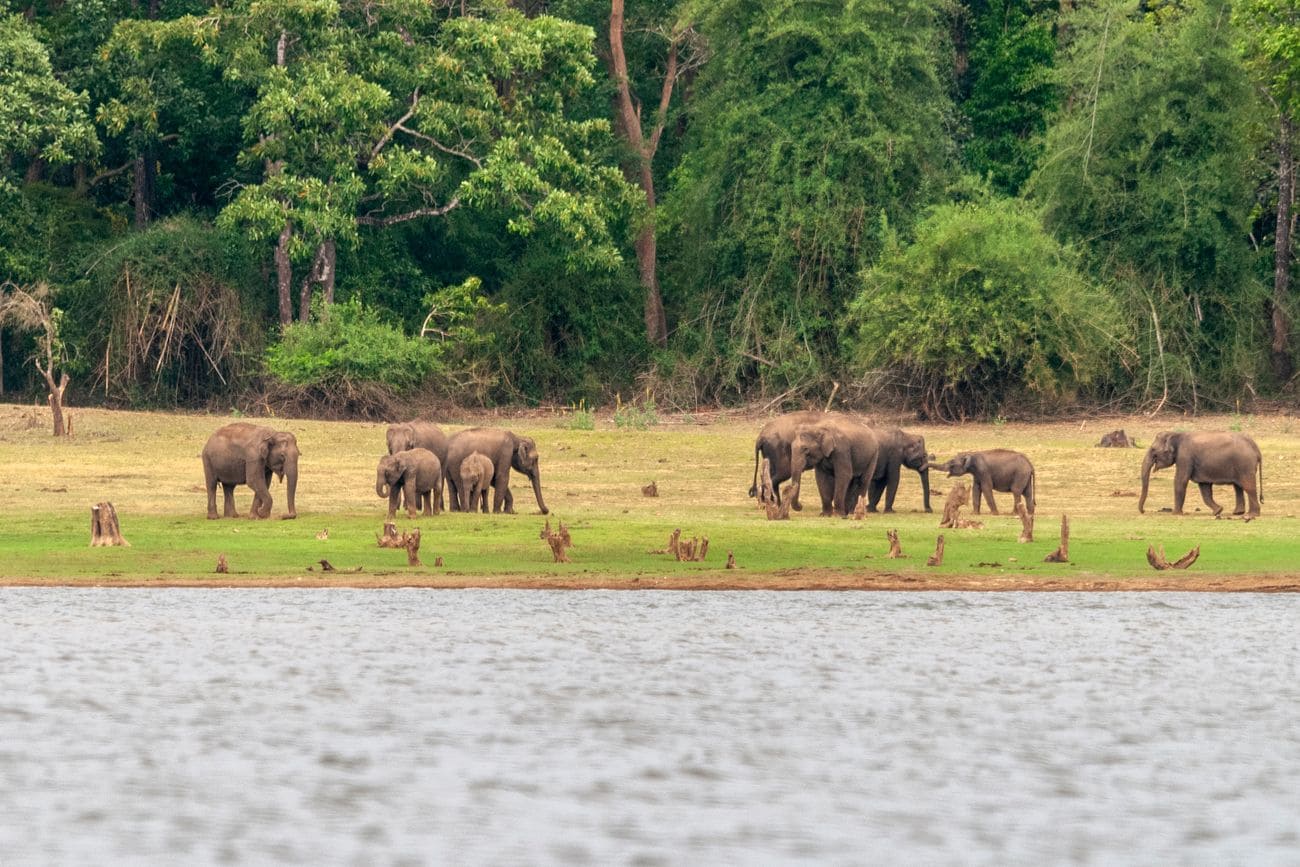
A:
[(1162, 453), (400, 438), (812, 444), (278, 453), (915, 456), (959, 466), (524, 460), (389, 473)]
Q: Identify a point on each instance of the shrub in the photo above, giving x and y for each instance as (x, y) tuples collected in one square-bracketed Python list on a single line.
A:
[(984, 304)]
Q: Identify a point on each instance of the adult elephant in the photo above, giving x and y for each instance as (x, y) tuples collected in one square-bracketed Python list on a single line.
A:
[(249, 454), (842, 453), (418, 434), (773, 442), (1207, 458), (507, 451), (417, 473), (898, 449), (996, 470)]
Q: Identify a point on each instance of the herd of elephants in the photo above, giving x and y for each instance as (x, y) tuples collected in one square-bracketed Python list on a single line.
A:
[(850, 459)]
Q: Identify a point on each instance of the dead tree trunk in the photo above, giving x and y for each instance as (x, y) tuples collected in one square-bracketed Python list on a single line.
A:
[(1061, 554), (284, 274), (766, 493), (895, 549), (936, 559), (55, 398), (104, 529), (413, 548), (1283, 363)]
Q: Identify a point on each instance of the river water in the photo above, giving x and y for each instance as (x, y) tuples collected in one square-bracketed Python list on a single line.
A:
[(501, 727)]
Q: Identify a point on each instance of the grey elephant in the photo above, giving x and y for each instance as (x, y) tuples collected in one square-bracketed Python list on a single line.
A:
[(995, 470), (1208, 459), (898, 449), (476, 473), (843, 455), (418, 434), (249, 454), (773, 442), (417, 473), (507, 451)]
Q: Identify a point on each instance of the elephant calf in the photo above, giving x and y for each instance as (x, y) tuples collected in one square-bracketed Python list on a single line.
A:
[(249, 454), (995, 470), (476, 473), (418, 473)]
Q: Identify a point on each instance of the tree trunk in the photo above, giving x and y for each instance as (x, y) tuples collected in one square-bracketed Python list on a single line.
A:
[(35, 171), (329, 255), (55, 398), (143, 187), (284, 274), (1282, 361), (656, 323)]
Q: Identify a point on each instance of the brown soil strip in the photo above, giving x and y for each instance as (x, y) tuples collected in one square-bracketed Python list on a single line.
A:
[(800, 579)]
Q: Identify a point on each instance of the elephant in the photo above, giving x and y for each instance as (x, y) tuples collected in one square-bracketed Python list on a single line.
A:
[(417, 434), (476, 473), (1207, 458), (415, 472), (507, 451), (843, 454), (773, 443), (248, 454), (898, 449), (996, 470)]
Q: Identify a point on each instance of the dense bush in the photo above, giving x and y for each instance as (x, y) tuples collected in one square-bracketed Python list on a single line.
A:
[(983, 305)]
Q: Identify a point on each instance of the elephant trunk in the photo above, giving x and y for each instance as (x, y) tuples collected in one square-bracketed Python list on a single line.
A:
[(536, 477), (291, 484), (925, 485), (796, 475), (1147, 463), (381, 484)]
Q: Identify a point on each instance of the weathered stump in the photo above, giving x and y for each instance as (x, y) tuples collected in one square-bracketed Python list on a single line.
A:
[(391, 538), (558, 541), (731, 560), (222, 566), (958, 497), (1026, 524), (860, 510), (104, 529), (936, 559), (413, 548), (650, 490), (766, 493), (1061, 554), (895, 549)]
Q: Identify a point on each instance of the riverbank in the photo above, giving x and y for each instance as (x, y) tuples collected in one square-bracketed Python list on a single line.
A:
[(147, 464)]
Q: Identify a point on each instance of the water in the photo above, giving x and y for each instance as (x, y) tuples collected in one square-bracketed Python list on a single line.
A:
[(501, 727)]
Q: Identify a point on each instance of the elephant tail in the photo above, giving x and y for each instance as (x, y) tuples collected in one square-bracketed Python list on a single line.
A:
[(1259, 467), (753, 489), (1033, 492)]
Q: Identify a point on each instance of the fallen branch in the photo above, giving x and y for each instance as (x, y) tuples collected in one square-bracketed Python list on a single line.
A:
[(1156, 557), (936, 559), (1061, 554), (104, 529)]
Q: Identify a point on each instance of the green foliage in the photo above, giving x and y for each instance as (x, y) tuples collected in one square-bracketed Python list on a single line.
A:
[(1269, 32), (1150, 171), (640, 416), (982, 306), (809, 121), (579, 417), (39, 115), (1010, 92), (350, 343)]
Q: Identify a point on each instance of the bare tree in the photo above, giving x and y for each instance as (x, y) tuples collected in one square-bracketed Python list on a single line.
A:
[(30, 309), (684, 54)]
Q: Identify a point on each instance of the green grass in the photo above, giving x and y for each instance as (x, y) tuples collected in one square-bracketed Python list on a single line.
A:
[(148, 466)]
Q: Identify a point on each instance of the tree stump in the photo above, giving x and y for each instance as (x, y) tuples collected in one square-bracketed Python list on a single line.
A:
[(936, 559), (731, 560), (559, 541), (650, 490), (390, 538), (413, 548), (673, 538), (222, 566), (766, 493), (781, 512), (1061, 554), (895, 549), (1026, 524), (860, 510), (958, 497), (1117, 439), (104, 529), (1157, 558), (437, 562)]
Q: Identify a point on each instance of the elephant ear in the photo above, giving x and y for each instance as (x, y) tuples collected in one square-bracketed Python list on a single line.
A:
[(264, 448)]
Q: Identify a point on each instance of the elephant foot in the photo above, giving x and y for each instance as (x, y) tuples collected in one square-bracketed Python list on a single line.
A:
[(213, 516), (546, 511), (797, 506), (888, 511), (871, 510), (827, 515), (1238, 511)]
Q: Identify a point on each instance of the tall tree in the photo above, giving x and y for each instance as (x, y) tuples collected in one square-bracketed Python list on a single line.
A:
[(1270, 31)]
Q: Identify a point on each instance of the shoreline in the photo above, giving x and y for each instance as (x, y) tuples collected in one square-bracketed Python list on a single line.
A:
[(791, 581)]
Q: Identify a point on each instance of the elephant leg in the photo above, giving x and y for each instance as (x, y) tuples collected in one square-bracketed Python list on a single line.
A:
[(1252, 493), (210, 484), (509, 502), (874, 490), (891, 488), (975, 495), (1015, 500), (987, 485), (1181, 478), (228, 501), (412, 498), (394, 501), (826, 489), (1207, 494), (1240, 508)]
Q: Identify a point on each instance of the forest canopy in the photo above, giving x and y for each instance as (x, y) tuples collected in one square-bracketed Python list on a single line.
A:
[(971, 209)]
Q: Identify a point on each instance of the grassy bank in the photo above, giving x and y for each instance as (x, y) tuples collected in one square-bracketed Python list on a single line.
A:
[(148, 465)]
